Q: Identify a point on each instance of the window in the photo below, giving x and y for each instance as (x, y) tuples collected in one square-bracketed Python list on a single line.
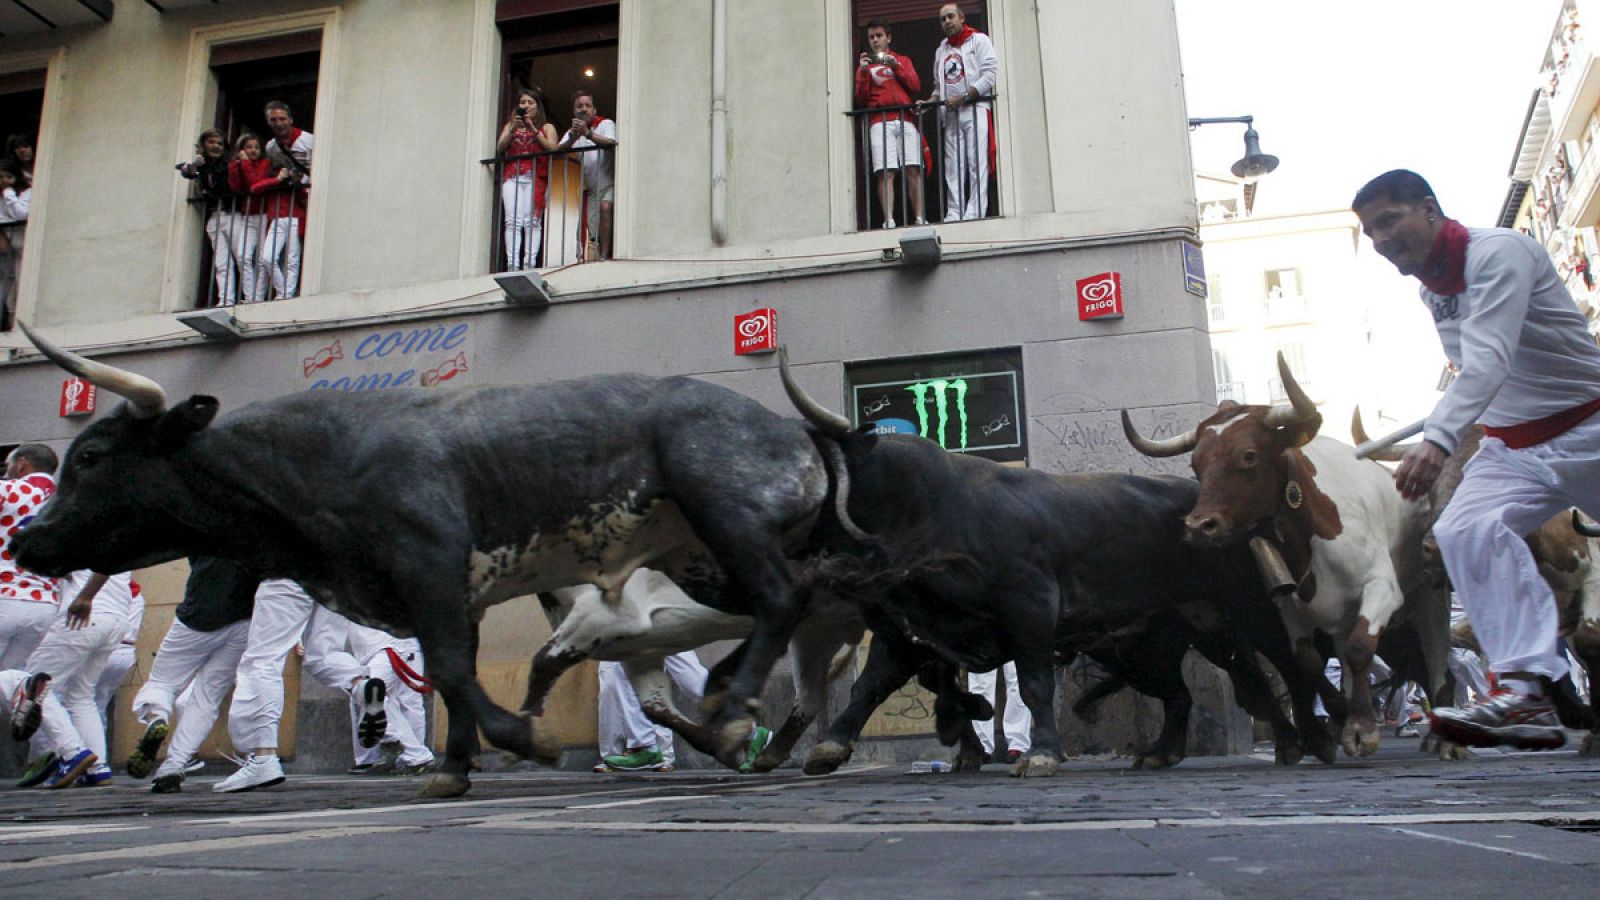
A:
[(21, 107), (971, 403), (1296, 355), (1216, 303), (902, 152), (1286, 295), (255, 211), (1282, 283), (1222, 372), (544, 211)]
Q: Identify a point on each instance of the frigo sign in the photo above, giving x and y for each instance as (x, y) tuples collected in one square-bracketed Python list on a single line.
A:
[(411, 356)]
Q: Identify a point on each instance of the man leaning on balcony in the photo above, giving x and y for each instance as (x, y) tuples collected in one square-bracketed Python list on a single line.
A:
[(287, 190), (965, 70), (590, 129)]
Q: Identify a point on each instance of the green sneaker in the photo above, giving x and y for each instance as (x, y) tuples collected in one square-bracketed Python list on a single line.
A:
[(635, 760), (142, 761), (38, 770), (759, 738)]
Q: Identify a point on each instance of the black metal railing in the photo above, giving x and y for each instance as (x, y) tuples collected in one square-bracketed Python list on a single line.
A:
[(11, 242), (543, 215), (902, 163), (251, 247)]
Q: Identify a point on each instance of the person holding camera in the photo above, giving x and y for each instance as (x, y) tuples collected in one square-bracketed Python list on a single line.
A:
[(590, 129), (886, 78), (284, 196), (209, 171), (524, 183)]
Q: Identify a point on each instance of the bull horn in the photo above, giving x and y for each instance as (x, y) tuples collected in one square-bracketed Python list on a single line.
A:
[(1358, 432), (1172, 446), (1300, 413), (826, 419), (1583, 527), (146, 399)]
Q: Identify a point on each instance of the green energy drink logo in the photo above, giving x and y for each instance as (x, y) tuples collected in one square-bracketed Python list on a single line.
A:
[(942, 391)]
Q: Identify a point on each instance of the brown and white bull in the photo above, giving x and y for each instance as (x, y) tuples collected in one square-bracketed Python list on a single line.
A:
[(1351, 542)]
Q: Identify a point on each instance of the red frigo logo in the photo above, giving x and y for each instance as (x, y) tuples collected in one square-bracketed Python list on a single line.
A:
[(1100, 296), (77, 397), (755, 332)]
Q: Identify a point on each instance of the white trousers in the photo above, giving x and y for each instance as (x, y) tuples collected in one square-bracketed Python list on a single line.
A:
[(280, 255), (1017, 721), (55, 726), (75, 658), (966, 163), (246, 241), (285, 615), (192, 673), (23, 624), (524, 224), (408, 721), (111, 678), (623, 724), (222, 228), (1468, 671), (1504, 495)]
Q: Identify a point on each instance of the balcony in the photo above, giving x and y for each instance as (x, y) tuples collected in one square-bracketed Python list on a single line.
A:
[(1230, 390), (1577, 90), (1582, 208), (542, 210), (900, 160), (11, 234), (1288, 309)]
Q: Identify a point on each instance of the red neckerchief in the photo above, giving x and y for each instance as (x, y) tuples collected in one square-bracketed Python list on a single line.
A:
[(595, 122), (1445, 271), (961, 36)]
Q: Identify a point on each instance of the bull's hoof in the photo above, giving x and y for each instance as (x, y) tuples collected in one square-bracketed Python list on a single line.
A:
[(1287, 753), (768, 761), (1590, 746), (1320, 743), (1359, 738), (546, 746), (733, 742), (826, 757), (1039, 765), (968, 761), (443, 786), (1156, 760), (1449, 751)]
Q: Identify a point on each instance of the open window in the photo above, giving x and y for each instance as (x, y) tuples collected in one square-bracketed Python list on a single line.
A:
[(554, 206), (21, 107), (255, 208), (914, 162)]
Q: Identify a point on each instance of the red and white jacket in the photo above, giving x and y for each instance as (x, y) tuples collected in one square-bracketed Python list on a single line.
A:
[(966, 61), (881, 85), (20, 499)]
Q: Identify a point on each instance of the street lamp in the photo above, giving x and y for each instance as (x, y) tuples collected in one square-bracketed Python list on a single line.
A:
[(1254, 163)]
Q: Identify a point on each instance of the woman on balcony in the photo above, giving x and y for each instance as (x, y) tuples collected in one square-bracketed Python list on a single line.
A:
[(522, 186)]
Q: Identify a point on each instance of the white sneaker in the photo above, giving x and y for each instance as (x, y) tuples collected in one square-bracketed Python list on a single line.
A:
[(257, 772), (888, 223)]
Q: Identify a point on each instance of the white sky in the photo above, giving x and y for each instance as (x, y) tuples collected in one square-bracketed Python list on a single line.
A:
[(1343, 91)]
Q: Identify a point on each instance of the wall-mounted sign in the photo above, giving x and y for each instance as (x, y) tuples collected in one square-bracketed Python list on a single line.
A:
[(967, 404), (755, 332), (1100, 296), (1194, 270), (427, 355), (77, 397)]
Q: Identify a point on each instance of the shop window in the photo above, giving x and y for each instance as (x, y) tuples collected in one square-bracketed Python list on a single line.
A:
[(968, 403)]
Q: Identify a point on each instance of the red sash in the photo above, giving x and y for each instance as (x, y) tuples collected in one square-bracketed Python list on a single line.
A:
[(1527, 434)]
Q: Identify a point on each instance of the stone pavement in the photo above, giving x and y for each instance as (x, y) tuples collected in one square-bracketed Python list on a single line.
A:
[(1395, 823)]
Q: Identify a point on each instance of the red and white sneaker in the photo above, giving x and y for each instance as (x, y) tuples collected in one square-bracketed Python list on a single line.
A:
[(1504, 717), (27, 706)]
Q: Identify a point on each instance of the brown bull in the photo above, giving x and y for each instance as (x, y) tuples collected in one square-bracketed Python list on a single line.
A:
[(1350, 541)]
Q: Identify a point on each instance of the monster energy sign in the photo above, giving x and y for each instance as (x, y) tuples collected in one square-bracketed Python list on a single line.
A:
[(963, 412)]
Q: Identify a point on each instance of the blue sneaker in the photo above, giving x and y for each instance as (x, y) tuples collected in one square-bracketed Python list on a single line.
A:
[(99, 776), (68, 770)]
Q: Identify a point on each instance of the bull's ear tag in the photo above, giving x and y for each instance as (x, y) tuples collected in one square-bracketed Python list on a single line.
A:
[(1292, 494)]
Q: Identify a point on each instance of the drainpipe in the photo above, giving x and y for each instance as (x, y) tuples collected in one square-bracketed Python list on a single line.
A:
[(719, 121)]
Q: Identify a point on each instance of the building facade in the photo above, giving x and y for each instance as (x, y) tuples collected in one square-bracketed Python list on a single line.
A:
[(740, 188)]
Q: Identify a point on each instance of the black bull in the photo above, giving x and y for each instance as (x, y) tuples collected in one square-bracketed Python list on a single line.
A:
[(1028, 566), (415, 510)]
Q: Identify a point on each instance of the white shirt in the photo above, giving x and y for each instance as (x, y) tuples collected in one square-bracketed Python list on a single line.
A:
[(1524, 349), (971, 65), (600, 166)]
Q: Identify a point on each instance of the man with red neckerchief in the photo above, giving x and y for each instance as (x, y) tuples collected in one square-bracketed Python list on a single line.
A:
[(965, 70), (1530, 372), (27, 601)]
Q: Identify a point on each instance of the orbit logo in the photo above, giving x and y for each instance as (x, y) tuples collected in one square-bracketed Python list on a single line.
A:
[(755, 332), (77, 397), (1100, 296)]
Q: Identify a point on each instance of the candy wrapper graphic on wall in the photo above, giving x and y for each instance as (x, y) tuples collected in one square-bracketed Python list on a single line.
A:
[(1100, 296)]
